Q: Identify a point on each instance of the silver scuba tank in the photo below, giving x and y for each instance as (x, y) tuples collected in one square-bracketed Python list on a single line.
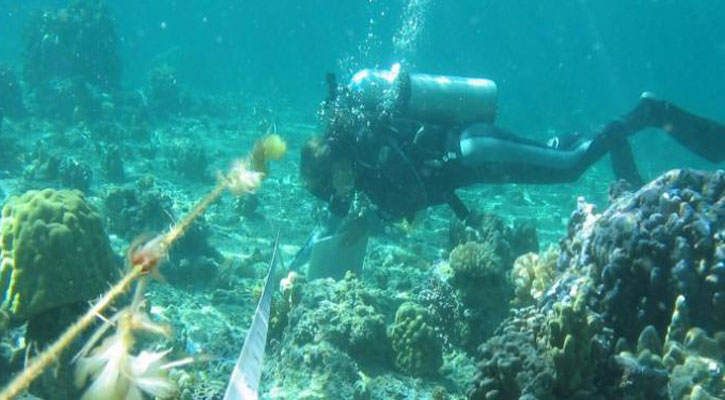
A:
[(430, 98)]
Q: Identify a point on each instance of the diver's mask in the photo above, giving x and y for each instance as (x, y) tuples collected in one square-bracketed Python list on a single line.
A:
[(438, 99)]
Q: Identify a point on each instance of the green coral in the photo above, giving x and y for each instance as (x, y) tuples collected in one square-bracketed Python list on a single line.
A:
[(418, 349), (54, 252)]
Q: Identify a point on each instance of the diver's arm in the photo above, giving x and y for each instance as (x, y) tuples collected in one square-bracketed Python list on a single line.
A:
[(362, 220)]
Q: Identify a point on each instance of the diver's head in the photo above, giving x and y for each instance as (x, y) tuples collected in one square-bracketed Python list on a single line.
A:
[(325, 173)]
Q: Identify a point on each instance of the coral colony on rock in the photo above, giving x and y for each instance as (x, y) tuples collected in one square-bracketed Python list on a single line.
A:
[(126, 273)]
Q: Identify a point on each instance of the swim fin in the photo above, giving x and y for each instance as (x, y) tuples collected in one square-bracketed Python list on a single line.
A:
[(702, 136)]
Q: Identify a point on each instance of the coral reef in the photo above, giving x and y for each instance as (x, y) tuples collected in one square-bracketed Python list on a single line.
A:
[(194, 261), (417, 347), (71, 61), (512, 364), (333, 343), (333, 328), (647, 267), (444, 307), (546, 355), (474, 260), (570, 335), (189, 159), (350, 320), (112, 164), (666, 240)]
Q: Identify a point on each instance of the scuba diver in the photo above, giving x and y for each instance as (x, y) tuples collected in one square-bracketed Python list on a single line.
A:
[(396, 143)]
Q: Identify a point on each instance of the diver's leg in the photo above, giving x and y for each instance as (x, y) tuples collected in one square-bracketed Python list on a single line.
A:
[(623, 163), (492, 155)]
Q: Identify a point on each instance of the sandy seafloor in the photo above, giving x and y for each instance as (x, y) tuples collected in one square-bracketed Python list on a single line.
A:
[(210, 313)]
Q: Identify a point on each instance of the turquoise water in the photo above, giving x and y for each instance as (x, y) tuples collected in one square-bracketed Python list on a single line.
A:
[(143, 107)]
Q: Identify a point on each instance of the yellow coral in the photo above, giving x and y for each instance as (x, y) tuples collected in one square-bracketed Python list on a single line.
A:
[(532, 275), (271, 147)]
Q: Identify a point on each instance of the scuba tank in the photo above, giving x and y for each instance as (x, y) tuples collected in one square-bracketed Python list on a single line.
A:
[(438, 99)]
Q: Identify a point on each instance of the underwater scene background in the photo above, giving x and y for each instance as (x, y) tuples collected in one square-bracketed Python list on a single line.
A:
[(119, 118)]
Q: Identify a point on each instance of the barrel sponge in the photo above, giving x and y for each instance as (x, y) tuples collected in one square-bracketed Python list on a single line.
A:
[(54, 252)]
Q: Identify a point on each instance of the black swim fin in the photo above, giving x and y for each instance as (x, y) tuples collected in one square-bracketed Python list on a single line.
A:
[(702, 136)]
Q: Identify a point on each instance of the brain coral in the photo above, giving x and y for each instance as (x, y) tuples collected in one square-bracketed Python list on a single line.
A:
[(54, 252)]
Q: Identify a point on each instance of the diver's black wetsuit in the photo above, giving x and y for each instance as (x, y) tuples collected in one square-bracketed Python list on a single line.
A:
[(407, 166)]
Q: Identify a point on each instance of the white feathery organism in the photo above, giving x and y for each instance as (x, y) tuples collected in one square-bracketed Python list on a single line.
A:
[(115, 372)]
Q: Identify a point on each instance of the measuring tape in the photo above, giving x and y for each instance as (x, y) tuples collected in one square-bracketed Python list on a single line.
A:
[(244, 382)]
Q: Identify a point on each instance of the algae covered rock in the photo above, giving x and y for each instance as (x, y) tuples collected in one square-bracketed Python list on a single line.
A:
[(54, 252), (418, 348)]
